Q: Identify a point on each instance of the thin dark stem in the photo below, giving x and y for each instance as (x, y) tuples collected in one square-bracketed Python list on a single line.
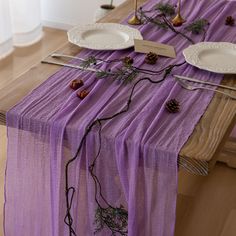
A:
[(68, 218), (165, 23), (91, 169), (168, 23), (152, 72), (124, 73)]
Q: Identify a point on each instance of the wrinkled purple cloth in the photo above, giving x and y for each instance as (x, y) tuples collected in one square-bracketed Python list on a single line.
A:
[(138, 162)]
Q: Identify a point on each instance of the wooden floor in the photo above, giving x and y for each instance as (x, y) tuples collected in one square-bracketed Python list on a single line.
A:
[(206, 206)]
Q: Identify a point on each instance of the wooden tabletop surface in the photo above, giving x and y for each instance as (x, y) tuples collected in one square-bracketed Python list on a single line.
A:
[(199, 153)]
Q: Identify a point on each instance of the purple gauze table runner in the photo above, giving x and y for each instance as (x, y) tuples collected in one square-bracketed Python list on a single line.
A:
[(137, 166)]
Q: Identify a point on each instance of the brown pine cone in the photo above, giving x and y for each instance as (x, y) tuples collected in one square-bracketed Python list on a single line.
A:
[(128, 61), (229, 21), (151, 58), (82, 94), (172, 106), (76, 83)]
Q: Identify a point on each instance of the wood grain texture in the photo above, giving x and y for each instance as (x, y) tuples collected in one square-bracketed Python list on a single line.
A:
[(24, 58), (200, 152), (214, 127), (228, 154)]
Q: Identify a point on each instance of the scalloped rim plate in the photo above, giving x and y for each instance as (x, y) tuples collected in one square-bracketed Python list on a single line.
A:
[(104, 36), (212, 56)]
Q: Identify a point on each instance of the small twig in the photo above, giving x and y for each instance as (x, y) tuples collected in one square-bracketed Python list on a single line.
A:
[(68, 218)]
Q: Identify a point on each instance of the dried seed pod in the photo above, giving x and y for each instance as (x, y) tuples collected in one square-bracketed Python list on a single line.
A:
[(172, 106), (151, 58), (82, 94), (76, 83), (177, 23), (229, 21), (128, 61)]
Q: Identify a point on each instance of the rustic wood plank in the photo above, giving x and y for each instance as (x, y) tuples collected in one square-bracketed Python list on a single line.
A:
[(24, 58), (228, 154), (217, 122), (230, 146), (200, 152)]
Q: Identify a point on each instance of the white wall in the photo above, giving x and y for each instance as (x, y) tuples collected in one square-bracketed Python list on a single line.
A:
[(66, 13)]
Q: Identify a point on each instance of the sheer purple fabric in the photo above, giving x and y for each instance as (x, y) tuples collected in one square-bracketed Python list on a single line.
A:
[(137, 166)]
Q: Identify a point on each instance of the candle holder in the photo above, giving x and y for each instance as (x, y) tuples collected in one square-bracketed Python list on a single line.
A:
[(178, 19), (134, 20)]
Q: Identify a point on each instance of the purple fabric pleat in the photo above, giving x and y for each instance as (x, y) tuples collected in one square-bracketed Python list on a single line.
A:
[(137, 165)]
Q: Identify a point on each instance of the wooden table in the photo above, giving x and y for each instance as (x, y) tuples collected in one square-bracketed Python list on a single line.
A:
[(199, 153)]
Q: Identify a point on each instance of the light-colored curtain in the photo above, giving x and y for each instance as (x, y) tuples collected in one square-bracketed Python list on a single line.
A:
[(20, 24)]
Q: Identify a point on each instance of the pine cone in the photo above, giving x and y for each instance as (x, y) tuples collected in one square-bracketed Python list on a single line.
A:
[(229, 21), (82, 94), (128, 61), (172, 106), (151, 58), (76, 83)]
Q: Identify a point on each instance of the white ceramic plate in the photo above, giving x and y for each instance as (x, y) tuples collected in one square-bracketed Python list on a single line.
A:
[(216, 57), (104, 36)]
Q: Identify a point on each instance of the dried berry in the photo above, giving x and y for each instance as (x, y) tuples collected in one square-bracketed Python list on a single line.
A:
[(229, 21), (172, 106), (128, 61), (76, 83), (82, 94), (151, 58)]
